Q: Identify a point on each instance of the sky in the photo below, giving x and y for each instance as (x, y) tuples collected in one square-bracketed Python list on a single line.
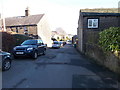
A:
[(60, 13)]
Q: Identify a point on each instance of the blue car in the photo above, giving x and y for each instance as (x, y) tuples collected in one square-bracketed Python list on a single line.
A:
[(5, 60), (32, 48)]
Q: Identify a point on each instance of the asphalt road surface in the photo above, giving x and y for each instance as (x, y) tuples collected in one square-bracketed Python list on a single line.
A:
[(59, 68)]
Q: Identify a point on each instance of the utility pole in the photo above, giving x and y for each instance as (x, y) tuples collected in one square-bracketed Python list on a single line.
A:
[(119, 12), (3, 24), (3, 19)]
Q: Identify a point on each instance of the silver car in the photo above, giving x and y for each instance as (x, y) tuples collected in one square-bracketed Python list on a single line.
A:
[(56, 44)]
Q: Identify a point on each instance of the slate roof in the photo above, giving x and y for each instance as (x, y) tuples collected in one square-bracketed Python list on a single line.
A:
[(23, 20), (99, 14)]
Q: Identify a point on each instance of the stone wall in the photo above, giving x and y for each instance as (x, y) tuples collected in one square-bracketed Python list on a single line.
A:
[(104, 22), (31, 29), (90, 43), (92, 35), (80, 33), (106, 59)]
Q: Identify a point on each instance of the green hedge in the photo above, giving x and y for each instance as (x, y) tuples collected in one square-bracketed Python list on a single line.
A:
[(8, 41), (19, 38), (11, 40), (109, 39)]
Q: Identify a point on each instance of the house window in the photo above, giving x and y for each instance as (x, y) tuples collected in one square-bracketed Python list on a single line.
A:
[(92, 23), (57, 37), (21, 27), (16, 29), (25, 30)]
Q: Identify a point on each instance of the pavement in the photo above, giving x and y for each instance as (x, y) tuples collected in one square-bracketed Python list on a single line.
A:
[(59, 68)]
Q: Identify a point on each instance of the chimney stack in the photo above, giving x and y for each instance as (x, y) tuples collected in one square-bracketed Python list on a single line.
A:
[(27, 12)]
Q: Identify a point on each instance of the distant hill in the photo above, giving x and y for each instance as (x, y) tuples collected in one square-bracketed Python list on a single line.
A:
[(101, 10)]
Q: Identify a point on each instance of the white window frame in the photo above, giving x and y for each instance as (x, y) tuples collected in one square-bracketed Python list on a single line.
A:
[(92, 23)]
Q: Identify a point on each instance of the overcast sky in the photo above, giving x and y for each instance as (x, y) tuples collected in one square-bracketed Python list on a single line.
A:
[(60, 13)]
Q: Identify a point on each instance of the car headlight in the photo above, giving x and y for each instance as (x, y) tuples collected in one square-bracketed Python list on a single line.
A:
[(29, 49), (14, 48)]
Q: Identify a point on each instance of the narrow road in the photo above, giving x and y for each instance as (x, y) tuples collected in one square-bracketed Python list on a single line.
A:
[(59, 68)]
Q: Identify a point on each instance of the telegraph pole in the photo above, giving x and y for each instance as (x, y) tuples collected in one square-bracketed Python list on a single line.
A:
[(3, 24), (3, 19)]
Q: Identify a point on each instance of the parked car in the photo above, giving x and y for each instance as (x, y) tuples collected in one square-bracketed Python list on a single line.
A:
[(5, 60), (64, 43), (32, 48), (56, 44), (69, 42), (61, 43)]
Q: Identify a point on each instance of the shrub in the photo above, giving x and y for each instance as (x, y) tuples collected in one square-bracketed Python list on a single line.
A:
[(8, 41), (11, 40), (109, 39)]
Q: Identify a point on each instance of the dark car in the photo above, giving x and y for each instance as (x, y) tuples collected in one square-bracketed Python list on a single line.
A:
[(5, 60), (32, 47)]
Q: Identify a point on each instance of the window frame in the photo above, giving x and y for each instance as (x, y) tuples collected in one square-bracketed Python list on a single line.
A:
[(91, 26)]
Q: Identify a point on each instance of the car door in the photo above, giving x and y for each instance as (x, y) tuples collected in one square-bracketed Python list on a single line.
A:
[(40, 47)]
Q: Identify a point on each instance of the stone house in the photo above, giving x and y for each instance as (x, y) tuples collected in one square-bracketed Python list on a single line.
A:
[(31, 25), (58, 35), (55, 35), (91, 23)]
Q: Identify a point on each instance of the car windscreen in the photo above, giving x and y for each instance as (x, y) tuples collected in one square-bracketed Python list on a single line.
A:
[(29, 42), (55, 42)]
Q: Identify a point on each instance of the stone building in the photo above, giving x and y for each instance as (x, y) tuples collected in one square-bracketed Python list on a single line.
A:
[(59, 34), (55, 35), (31, 25), (91, 23)]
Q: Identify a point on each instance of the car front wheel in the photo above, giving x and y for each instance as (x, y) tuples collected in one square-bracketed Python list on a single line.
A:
[(6, 65), (44, 52), (35, 55)]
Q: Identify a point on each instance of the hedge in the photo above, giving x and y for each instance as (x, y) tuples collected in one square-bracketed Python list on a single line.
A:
[(19, 38), (8, 41), (11, 40), (109, 39)]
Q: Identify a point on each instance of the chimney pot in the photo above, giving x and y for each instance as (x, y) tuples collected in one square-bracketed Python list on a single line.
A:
[(27, 12)]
